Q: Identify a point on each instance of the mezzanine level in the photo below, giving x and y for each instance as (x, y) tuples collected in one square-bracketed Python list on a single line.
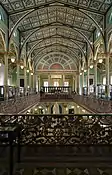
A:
[(20, 103)]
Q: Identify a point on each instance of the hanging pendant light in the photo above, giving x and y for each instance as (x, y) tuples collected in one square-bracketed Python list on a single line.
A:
[(91, 66), (12, 59), (100, 60), (22, 66)]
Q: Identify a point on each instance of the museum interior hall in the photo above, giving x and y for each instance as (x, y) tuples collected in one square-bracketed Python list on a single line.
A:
[(55, 87)]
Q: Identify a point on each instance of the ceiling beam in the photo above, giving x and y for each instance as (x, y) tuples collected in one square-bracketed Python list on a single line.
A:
[(34, 10), (56, 36), (81, 33), (54, 24), (54, 1)]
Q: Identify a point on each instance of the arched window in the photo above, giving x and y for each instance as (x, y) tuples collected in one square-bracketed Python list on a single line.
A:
[(104, 80), (15, 34), (97, 33), (1, 17), (110, 18)]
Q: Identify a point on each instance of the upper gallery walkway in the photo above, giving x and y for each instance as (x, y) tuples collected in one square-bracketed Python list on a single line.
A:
[(21, 102)]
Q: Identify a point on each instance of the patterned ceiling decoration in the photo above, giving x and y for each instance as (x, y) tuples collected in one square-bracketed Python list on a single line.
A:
[(56, 61), (60, 22), (59, 50)]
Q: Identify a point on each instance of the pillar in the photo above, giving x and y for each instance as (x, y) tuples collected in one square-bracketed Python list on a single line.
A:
[(29, 79), (6, 77), (25, 80), (18, 80), (95, 79), (49, 80), (88, 81), (82, 82), (34, 81), (80, 87), (63, 79), (39, 84), (107, 92), (73, 87), (75, 83)]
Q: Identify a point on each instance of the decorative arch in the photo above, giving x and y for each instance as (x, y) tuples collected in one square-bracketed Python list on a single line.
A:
[(65, 5), (48, 60), (110, 43), (73, 29), (65, 50), (33, 48), (2, 46), (2, 40)]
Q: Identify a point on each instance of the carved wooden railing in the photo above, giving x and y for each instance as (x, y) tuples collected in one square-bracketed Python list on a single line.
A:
[(94, 104), (51, 93), (19, 104), (62, 129), (82, 141)]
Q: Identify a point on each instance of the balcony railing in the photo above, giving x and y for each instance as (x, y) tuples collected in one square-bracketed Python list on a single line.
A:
[(52, 93), (96, 105), (15, 92), (58, 89), (62, 129), (19, 104)]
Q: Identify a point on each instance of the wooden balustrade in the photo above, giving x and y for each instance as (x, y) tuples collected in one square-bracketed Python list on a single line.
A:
[(19, 104), (96, 105)]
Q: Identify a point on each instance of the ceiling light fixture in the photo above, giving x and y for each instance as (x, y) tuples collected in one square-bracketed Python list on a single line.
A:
[(100, 60), (22, 66), (12, 59), (91, 66)]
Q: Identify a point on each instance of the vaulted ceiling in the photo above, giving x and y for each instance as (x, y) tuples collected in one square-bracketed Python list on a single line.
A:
[(65, 26)]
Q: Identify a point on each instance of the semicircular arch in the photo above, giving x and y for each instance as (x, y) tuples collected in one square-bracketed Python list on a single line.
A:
[(54, 57)]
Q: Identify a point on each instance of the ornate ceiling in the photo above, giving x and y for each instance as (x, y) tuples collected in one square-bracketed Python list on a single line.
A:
[(65, 26)]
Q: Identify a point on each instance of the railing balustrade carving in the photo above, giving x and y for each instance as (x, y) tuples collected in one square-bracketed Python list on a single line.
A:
[(19, 104), (94, 104), (63, 129)]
